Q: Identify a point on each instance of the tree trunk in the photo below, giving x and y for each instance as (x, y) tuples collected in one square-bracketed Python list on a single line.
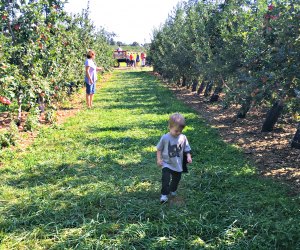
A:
[(201, 88), (195, 84), (41, 103), (215, 96), (245, 107), (296, 139), (18, 122), (272, 116), (183, 81), (189, 83), (208, 88)]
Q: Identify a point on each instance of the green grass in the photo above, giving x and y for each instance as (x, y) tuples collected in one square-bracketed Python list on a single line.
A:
[(92, 183)]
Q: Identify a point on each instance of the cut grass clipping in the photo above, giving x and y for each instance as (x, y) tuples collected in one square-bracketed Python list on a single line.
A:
[(93, 183)]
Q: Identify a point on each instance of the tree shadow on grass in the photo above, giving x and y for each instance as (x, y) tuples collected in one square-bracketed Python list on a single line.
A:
[(145, 95), (113, 196), (45, 174), (70, 208), (215, 207), (69, 196), (120, 128), (93, 164), (219, 200)]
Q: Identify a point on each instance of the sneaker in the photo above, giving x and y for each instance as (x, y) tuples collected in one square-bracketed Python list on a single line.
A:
[(173, 193), (163, 198)]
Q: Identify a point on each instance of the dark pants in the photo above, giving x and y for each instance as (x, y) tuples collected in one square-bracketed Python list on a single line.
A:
[(170, 180)]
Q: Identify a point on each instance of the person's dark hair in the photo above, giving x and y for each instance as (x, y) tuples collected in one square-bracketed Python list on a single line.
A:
[(90, 54)]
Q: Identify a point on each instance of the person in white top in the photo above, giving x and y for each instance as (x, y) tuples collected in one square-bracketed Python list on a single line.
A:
[(90, 77)]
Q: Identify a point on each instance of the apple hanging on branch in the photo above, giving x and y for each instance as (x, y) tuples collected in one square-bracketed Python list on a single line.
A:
[(270, 7), (4, 100), (17, 27)]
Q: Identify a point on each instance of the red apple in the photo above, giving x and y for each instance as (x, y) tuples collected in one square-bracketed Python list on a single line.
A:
[(17, 26), (4, 100)]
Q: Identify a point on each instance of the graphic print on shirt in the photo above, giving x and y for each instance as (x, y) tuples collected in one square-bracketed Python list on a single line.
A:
[(174, 150)]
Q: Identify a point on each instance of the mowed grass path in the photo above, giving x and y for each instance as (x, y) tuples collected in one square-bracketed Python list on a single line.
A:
[(93, 183)]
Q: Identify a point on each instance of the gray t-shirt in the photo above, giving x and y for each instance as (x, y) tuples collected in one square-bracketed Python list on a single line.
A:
[(172, 149)]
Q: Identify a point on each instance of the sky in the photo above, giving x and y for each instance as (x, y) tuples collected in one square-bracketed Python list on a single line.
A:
[(131, 20)]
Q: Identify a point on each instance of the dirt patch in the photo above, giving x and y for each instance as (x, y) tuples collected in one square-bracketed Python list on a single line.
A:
[(27, 137), (270, 152)]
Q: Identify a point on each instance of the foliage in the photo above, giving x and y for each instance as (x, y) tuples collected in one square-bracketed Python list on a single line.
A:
[(135, 44), (51, 116), (9, 137), (32, 120), (248, 48), (131, 48)]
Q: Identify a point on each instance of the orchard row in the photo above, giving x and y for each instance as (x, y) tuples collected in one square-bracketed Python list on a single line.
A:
[(248, 50), (42, 52)]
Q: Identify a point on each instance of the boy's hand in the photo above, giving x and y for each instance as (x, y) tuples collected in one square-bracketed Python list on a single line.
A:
[(189, 158), (159, 160), (159, 163)]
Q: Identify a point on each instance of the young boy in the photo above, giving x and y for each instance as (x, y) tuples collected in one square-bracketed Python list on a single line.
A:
[(170, 150)]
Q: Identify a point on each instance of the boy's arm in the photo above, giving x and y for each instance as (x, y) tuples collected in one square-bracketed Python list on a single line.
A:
[(189, 158), (188, 151), (158, 158)]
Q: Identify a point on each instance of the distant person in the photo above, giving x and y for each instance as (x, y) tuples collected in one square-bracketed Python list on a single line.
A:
[(119, 49), (90, 77), (137, 59), (127, 60), (143, 57), (134, 59), (172, 149), (131, 60)]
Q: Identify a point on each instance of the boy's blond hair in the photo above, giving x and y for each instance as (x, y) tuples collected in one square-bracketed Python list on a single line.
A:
[(177, 120)]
